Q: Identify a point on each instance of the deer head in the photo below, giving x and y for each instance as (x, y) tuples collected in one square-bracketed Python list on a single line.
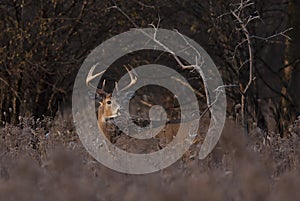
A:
[(108, 108)]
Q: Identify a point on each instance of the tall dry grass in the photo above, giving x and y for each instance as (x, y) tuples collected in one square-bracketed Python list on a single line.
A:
[(44, 160)]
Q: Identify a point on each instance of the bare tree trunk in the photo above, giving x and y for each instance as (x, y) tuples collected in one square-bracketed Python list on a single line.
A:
[(290, 88), (295, 54)]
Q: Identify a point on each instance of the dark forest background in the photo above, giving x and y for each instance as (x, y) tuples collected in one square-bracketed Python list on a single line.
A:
[(43, 44)]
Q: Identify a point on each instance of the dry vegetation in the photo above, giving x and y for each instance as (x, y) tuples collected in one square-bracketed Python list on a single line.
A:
[(44, 160), (43, 44)]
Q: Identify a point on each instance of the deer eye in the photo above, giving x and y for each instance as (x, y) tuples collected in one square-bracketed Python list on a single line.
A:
[(108, 102)]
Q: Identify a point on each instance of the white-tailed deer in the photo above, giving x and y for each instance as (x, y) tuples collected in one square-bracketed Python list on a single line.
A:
[(108, 107)]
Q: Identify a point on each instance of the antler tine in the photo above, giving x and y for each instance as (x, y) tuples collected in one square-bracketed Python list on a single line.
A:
[(103, 84), (133, 77), (90, 76)]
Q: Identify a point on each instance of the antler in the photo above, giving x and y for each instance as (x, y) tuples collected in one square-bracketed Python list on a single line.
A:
[(90, 76), (133, 78)]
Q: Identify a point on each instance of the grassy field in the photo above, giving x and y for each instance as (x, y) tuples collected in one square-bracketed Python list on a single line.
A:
[(45, 160)]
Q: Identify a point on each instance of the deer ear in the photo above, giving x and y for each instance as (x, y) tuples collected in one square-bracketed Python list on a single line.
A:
[(100, 92), (129, 95)]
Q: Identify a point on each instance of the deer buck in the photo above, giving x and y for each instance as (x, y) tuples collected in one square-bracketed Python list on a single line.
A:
[(108, 107)]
